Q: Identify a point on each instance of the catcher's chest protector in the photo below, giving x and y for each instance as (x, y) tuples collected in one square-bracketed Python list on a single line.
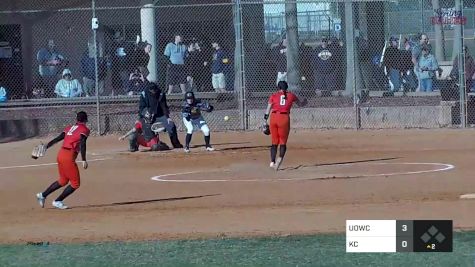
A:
[(147, 132)]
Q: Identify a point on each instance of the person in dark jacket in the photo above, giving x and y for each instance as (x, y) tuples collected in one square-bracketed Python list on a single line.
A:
[(89, 72), (324, 68), (141, 55), (391, 62), (121, 55), (137, 83), (155, 100), (336, 47), (406, 67), (198, 68), (469, 69), (219, 66)]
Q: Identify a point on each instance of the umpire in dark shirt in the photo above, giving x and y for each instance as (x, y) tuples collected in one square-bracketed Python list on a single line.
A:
[(154, 99)]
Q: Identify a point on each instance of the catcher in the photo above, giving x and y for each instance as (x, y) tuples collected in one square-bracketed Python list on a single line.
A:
[(280, 104), (193, 119), (74, 141), (146, 134)]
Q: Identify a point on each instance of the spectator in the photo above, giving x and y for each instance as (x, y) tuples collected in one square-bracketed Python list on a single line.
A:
[(120, 64), (197, 66), (176, 72), (141, 55), (137, 83), (392, 57), (339, 60), (67, 87), (280, 54), (218, 68), (3, 93), (306, 66), (49, 61), (469, 69), (324, 71), (426, 67), (416, 55), (88, 67), (407, 68)]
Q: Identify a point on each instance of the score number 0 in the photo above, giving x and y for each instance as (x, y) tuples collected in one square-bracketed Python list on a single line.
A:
[(404, 242)]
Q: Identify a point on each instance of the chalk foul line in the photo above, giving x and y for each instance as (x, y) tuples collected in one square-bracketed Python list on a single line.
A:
[(44, 164)]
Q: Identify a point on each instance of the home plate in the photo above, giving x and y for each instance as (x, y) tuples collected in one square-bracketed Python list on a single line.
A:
[(467, 196)]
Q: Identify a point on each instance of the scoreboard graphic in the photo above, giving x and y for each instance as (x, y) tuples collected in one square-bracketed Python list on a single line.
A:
[(399, 236)]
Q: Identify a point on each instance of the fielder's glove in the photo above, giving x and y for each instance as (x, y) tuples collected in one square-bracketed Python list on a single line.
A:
[(265, 129), (38, 151), (210, 108)]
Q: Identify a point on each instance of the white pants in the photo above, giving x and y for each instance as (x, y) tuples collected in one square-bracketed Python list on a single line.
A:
[(281, 76), (219, 81), (194, 125)]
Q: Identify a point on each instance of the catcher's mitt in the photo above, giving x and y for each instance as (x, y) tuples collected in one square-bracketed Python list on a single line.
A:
[(266, 129), (157, 127), (38, 151)]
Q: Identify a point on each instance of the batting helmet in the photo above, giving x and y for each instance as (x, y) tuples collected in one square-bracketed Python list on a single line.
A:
[(266, 129)]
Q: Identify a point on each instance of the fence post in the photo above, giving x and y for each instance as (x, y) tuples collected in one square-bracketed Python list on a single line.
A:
[(461, 64), (94, 25), (240, 82), (350, 85)]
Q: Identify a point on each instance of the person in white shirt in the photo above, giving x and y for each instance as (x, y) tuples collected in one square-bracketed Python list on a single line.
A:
[(68, 87)]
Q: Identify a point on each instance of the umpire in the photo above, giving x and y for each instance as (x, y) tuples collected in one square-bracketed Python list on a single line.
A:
[(154, 99)]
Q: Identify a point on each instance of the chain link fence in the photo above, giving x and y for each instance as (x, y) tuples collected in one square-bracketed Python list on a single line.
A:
[(374, 64)]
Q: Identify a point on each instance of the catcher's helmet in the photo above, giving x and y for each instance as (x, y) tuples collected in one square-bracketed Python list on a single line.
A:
[(266, 129), (147, 115)]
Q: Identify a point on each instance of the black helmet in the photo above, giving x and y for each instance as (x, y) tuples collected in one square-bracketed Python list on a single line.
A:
[(189, 95), (266, 129)]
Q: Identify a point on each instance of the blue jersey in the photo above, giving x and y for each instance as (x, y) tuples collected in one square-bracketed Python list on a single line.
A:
[(193, 111)]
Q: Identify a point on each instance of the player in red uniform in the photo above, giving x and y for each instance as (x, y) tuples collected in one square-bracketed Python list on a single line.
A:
[(145, 134), (74, 137), (279, 106)]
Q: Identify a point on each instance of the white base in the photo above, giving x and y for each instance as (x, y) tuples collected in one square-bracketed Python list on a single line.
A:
[(467, 196)]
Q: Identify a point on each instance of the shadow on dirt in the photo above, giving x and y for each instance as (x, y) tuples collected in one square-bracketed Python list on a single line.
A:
[(143, 201)]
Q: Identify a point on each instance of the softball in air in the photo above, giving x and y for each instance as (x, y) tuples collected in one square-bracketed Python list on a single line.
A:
[(226, 118)]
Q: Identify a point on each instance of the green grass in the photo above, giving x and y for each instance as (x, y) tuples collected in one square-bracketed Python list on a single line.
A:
[(319, 250)]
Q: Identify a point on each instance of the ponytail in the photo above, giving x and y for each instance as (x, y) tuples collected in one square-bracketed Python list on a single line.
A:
[(282, 85)]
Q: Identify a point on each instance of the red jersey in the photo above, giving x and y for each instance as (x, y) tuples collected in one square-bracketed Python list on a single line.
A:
[(72, 136), (280, 104)]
